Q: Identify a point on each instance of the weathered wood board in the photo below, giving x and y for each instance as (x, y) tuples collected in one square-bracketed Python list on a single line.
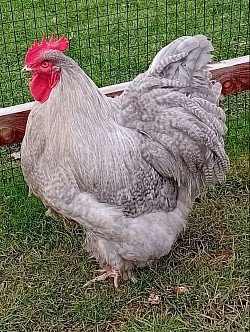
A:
[(234, 75)]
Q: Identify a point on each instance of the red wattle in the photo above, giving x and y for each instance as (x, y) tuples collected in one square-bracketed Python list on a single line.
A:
[(42, 84)]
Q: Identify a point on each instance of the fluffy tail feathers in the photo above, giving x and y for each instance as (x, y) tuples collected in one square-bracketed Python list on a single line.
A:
[(184, 63), (174, 105)]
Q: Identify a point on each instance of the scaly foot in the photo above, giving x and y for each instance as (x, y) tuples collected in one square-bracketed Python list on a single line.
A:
[(106, 274)]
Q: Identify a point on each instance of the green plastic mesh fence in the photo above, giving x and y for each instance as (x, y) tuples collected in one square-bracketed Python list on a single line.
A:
[(114, 40)]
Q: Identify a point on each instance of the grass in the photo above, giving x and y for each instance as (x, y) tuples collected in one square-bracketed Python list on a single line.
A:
[(43, 266), (113, 40), (238, 123)]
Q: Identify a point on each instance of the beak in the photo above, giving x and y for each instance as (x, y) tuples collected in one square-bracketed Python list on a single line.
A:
[(26, 70)]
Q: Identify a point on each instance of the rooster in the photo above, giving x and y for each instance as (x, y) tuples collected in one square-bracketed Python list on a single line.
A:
[(127, 169)]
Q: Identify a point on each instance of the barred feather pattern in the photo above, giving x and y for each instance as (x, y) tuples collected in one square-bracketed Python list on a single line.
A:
[(175, 105), (128, 169)]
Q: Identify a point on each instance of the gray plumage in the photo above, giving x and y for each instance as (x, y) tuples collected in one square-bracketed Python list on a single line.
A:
[(128, 169)]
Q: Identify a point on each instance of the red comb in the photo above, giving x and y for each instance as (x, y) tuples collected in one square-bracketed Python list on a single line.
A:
[(34, 51)]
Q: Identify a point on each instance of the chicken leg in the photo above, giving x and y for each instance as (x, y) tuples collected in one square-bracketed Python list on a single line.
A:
[(105, 275)]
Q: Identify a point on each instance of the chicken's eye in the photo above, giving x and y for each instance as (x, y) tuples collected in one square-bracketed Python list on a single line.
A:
[(45, 64)]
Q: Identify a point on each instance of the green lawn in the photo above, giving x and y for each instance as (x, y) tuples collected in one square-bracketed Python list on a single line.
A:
[(113, 40), (43, 266)]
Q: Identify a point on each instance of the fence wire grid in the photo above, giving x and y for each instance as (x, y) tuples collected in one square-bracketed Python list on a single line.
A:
[(114, 40)]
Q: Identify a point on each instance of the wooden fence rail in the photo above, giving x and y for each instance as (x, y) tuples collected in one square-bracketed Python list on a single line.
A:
[(233, 74)]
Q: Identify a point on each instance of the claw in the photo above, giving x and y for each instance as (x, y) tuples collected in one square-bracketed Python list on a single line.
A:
[(106, 274)]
